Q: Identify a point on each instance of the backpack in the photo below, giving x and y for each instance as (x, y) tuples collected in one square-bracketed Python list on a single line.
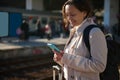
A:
[(111, 71)]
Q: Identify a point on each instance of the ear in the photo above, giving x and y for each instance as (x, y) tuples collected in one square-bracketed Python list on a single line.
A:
[(84, 14)]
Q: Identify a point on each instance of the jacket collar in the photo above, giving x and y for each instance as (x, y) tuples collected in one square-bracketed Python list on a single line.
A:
[(83, 25)]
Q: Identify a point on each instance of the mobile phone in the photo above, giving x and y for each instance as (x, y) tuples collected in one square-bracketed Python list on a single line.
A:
[(52, 46)]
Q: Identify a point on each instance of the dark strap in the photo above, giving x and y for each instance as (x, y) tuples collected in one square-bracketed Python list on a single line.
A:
[(86, 35)]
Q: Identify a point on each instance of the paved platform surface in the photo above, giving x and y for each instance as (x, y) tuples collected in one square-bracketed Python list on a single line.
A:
[(15, 43)]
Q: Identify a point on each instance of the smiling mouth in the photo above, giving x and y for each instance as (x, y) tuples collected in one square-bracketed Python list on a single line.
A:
[(71, 22)]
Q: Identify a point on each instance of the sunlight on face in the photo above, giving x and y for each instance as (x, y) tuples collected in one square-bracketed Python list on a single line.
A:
[(74, 16)]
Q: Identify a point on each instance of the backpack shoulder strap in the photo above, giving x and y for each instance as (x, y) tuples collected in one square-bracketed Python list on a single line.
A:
[(86, 35)]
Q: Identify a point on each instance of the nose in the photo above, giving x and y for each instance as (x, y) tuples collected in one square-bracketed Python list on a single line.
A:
[(69, 17)]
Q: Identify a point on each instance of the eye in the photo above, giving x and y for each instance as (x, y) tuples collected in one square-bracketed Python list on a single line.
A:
[(70, 15)]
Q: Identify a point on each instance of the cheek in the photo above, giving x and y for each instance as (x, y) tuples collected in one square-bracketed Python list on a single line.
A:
[(80, 19)]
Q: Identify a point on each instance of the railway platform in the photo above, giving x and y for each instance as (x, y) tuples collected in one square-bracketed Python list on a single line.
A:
[(32, 58), (13, 47)]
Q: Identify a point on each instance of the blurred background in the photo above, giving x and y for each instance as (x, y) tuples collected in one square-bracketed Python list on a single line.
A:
[(13, 12), (30, 58)]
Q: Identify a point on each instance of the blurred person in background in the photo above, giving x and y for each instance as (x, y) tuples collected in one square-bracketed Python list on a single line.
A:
[(25, 30), (40, 31), (48, 31), (115, 29)]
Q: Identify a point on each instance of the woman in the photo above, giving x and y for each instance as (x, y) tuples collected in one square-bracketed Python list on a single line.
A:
[(75, 59)]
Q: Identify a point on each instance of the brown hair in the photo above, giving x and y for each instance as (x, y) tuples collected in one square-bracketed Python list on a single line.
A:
[(81, 5)]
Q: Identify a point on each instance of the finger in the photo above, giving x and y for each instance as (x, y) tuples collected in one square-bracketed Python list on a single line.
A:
[(55, 52)]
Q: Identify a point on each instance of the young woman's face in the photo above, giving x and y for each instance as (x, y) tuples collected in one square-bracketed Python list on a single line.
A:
[(73, 15)]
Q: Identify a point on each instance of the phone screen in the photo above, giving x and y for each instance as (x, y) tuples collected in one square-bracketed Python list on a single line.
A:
[(52, 46)]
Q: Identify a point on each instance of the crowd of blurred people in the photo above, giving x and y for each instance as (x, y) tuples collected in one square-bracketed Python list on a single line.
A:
[(50, 30), (55, 28)]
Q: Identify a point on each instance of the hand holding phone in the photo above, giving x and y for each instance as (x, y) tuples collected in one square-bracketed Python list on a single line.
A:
[(53, 47)]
